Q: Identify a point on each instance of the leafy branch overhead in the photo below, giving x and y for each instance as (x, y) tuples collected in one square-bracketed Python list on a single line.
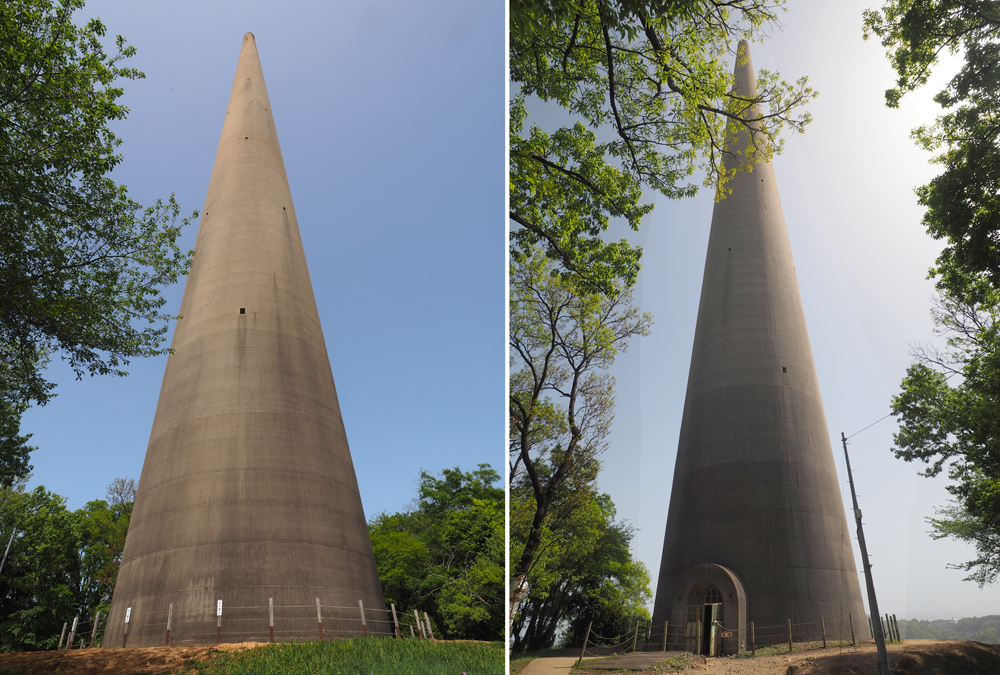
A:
[(651, 87), (83, 263)]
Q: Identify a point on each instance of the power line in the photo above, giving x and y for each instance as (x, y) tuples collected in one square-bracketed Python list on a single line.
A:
[(869, 426)]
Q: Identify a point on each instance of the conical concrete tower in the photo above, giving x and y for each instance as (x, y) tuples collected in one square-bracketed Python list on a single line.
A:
[(756, 526), (248, 491)]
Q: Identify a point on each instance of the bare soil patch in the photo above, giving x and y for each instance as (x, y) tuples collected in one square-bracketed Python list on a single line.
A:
[(118, 661), (912, 657)]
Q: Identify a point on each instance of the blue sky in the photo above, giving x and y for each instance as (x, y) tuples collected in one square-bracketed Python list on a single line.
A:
[(390, 117)]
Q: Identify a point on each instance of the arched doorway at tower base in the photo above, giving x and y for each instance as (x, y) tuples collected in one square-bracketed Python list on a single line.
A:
[(714, 604)]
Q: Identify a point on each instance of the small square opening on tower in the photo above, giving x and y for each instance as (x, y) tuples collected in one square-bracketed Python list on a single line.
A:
[(243, 310), (783, 368)]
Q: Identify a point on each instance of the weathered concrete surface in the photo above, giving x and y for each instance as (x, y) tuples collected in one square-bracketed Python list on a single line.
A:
[(248, 491), (755, 486)]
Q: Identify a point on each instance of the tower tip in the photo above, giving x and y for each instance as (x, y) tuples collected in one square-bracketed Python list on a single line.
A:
[(249, 36)]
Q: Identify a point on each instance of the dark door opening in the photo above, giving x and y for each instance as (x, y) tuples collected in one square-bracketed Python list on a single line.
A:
[(706, 630)]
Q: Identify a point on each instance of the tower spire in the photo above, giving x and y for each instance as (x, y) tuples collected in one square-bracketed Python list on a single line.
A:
[(755, 504), (248, 490)]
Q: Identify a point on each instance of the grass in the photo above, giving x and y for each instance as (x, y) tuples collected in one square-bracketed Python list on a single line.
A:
[(358, 656), (517, 665)]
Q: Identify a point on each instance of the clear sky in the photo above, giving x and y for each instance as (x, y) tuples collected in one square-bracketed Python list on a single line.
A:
[(390, 117), (862, 256)]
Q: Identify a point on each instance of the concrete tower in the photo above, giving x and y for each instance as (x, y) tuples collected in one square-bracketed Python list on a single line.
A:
[(756, 529), (248, 491)]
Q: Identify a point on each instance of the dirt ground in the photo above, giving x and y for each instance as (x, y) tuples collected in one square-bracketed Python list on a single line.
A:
[(912, 657), (151, 660)]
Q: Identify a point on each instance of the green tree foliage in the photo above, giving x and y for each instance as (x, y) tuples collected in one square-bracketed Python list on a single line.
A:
[(947, 414), (982, 629), (62, 563), (655, 76), (83, 264), (446, 556), (584, 571), (562, 341), (14, 448)]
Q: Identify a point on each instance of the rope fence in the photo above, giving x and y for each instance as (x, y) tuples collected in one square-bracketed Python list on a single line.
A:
[(820, 634), (331, 622)]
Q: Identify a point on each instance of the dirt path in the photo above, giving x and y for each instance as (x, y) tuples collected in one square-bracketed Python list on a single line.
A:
[(913, 657), (556, 665), (151, 660)]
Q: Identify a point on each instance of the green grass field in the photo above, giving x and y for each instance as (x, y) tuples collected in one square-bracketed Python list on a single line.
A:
[(361, 657)]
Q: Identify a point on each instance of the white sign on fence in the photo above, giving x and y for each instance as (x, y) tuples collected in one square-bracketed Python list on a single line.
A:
[(218, 609)]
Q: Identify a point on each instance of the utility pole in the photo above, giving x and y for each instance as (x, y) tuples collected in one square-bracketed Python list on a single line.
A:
[(883, 657)]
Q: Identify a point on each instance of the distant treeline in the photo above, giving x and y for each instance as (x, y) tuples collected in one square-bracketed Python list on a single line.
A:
[(979, 628)]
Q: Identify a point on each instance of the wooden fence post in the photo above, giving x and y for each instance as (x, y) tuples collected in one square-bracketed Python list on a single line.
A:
[(395, 621), (822, 623), (218, 622), (319, 618), (871, 628), (850, 617), (411, 632), (896, 623), (170, 616), (753, 641), (635, 635), (419, 627), (586, 636), (364, 624), (128, 615), (789, 635), (666, 625), (62, 635), (93, 631), (72, 632), (427, 622)]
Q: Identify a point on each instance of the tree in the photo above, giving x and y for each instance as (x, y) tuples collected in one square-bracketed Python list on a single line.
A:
[(41, 574), (83, 264), (947, 413), (655, 75), (103, 527), (62, 563), (947, 421), (584, 571), (446, 557), (562, 338)]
